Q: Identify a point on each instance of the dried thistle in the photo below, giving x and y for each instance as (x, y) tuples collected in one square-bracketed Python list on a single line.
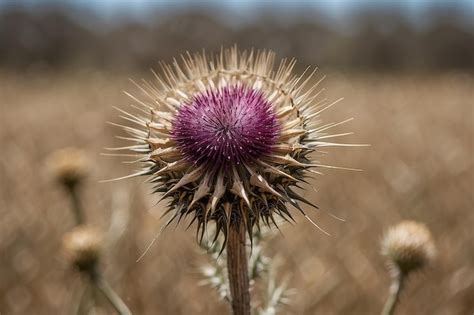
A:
[(69, 166), (230, 137), (83, 246), (408, 247)]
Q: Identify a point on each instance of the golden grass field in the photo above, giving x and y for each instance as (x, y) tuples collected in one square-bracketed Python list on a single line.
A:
[(419, 166)]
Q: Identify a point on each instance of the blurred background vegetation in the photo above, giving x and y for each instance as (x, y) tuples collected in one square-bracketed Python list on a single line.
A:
[(405, 69), (365, 35)]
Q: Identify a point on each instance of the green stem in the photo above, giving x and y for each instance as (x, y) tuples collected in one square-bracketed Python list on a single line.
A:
[(394, 294), (237, 266)]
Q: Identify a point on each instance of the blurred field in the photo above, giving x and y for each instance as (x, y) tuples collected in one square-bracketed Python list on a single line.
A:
[(419, 166)]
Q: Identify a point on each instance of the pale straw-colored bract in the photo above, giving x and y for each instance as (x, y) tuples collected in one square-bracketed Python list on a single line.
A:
[(68, 166), (83, 246), (408, 247), (228, 138)]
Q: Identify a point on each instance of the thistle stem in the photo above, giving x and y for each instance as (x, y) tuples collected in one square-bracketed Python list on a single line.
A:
[(238, 269), (394, 294), (76, 205), (104, 287)]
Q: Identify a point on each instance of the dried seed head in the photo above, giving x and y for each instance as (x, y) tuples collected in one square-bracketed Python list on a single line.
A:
[(408, 246), (69, 166), (82, 246), (229, 137)]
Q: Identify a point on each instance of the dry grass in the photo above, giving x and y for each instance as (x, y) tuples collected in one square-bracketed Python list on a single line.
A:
[(418, 167)]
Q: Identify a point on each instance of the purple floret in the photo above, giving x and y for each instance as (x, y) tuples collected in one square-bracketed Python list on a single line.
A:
[(226, 126)]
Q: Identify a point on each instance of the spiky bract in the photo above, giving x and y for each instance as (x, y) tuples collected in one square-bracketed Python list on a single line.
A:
[(229, 137)]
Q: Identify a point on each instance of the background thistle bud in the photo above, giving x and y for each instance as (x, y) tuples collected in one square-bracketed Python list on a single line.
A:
[(408, 246), (69, 166), (83, 246)]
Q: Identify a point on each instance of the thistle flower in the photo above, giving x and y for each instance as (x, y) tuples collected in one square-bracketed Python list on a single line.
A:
[(229, 137), (68, 166), (83, 246), (408, 246)]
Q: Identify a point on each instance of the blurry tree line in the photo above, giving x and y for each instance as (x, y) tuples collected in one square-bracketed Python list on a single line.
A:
[(386, 41)]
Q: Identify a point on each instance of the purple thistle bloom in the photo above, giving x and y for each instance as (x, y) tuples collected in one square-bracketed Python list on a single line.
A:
[(229, 139), (227, 126)]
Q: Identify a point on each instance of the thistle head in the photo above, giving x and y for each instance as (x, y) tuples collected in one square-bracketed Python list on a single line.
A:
[(229, 137), (68, 166), (408, 247), (82, 247)]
